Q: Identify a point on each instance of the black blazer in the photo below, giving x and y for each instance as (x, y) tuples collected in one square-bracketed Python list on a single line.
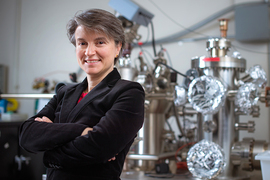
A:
[(115, 111)]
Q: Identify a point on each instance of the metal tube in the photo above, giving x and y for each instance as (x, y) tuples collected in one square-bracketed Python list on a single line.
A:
[(249, 126), (150, 157), (262, 97), (208, 131), (175, 37), (225, 134), (178, 121), (187, 111), (26, 96)]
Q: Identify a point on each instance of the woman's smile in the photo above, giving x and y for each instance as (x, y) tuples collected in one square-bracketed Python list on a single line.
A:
[(91, 61)]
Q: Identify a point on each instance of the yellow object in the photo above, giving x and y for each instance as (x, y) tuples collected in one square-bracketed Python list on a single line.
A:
[(12, 104)]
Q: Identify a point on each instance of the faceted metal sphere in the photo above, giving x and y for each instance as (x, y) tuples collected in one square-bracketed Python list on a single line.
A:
[(206, 160), (206, 94), (247, 96), (258, 75)]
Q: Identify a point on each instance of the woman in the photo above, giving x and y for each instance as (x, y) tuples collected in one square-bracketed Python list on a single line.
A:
[(86, 129)]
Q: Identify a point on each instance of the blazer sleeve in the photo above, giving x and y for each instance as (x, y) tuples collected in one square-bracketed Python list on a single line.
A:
[(37, 136), (110, 136)]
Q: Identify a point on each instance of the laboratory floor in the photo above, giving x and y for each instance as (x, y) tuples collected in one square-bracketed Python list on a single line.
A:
[(140, 175)]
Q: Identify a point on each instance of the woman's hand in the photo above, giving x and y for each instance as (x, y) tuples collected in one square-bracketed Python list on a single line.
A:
[(85, 131), (112, 159), (43, 119)]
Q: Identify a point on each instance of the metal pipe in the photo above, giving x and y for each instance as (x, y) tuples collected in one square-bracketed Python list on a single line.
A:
[(187, 111), (231, 94), (26, 96), (175, 37), (249, 126), (150, 157), (263, 98), (178, 121)]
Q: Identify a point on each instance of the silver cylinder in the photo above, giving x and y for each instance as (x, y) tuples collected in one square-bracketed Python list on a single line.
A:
[(27, 96), (125, 69), (226, 69), (244, 152), (152, 132), (151, 143), (127, 73), (218, 47)]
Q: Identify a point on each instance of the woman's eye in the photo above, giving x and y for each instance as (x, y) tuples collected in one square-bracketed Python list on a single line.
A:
[(81, 43), (101, 42)]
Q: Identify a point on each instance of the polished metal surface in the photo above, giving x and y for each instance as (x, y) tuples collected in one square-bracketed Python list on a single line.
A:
[(241, 154), (203, 62), (249, 126), (226, 69), (258, 147), (225, 134), (125, 69), (153, 145), (223, 26), (224, 125), (150, 157), (150, 147), (27, 96), (127, 73), (244, 152), (218, 47)]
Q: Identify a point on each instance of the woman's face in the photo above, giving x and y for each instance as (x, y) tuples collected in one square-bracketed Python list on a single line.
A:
[(95, 52)]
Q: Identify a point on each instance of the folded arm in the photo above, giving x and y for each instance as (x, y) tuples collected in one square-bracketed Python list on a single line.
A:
[(36, 134), (110, 136)]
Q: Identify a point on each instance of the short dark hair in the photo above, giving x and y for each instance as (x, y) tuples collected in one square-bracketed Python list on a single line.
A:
[(100, 21)]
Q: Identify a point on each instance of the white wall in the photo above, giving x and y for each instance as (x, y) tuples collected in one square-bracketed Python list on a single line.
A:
[(9, 36), (34, 42)]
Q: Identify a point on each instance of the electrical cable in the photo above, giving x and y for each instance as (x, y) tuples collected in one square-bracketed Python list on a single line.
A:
[(153, 34), (168, 55), (181, 164), (165, 14), (148, 30), (153, 38), (249, 50), (168, 124), (149, 54), (175, 37), (178, 120)]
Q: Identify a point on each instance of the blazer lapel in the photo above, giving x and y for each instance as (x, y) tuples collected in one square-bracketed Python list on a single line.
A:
[(101, 89), (70, 100)]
